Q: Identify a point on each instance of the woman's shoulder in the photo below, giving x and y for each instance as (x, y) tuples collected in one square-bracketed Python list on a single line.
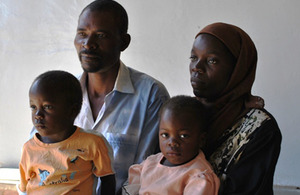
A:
[(260, 119), (254, 119)]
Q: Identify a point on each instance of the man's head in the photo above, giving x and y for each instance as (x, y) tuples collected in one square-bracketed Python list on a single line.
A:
[(101, 36), (55, 100), (113, 7)]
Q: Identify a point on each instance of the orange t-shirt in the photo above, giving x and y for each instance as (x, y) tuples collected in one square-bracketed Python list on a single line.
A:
[(69, 166)]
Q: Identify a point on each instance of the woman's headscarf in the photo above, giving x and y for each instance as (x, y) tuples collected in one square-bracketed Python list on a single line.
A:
[(236, 99)]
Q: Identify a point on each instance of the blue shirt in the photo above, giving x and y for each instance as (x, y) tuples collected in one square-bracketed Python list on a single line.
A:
[(128, 118)]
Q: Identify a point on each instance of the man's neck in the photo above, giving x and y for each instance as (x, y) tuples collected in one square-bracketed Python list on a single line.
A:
[(98, 86)]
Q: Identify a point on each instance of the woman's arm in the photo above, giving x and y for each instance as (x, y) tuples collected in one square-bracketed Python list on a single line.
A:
[(253, 173)]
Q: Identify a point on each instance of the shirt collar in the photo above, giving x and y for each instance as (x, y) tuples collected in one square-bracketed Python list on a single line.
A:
[(123, 82)]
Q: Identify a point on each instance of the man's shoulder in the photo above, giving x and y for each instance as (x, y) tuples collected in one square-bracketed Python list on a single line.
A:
[(141, 78), (88, 133)]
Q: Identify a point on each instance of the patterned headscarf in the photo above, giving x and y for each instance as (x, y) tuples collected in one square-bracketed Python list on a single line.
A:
[(236, 99)]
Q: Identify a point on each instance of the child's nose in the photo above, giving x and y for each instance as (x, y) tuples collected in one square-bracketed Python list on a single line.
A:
[(173, 143), (39, 114)]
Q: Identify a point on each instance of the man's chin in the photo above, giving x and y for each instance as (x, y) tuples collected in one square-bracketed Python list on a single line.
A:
[(91, 68)]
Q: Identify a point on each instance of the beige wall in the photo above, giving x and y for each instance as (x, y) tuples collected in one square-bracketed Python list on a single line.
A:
[(36, 36)]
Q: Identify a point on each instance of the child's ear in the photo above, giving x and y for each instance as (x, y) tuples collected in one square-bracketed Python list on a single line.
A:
[(75, 109), (202, 139)]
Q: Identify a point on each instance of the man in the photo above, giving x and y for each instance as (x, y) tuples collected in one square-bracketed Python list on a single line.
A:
[(118, 101)]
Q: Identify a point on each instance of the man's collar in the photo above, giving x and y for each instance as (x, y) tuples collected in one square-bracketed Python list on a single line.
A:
[(123, 82)]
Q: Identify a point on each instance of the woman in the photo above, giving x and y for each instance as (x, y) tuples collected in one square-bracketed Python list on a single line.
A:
[(244, 140)]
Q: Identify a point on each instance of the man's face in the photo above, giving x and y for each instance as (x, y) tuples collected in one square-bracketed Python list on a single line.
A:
[(98, 41)]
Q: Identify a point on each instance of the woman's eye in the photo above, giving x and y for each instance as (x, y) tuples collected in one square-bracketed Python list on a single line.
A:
[(48, 107), (211, 61), (193, 58)]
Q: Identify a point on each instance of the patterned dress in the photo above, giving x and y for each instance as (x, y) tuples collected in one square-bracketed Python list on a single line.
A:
[(254, 138)]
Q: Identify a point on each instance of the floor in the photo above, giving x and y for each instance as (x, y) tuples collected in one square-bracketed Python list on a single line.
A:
[(10, 189), (9, 178)]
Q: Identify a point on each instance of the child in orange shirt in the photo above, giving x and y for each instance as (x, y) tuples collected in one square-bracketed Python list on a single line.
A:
[(62, 158), (181, 167)]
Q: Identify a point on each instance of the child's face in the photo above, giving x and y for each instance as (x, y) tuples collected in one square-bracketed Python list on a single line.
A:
[(51, 114), (179, 137)]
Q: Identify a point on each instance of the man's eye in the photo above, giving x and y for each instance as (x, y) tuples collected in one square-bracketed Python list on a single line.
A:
[(81, 34), (32, 107), (101, 35)]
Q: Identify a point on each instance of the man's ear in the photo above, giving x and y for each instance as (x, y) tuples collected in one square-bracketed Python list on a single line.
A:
[(125, 41)]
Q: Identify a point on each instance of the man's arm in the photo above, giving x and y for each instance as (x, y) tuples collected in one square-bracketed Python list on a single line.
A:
[(148, 143)]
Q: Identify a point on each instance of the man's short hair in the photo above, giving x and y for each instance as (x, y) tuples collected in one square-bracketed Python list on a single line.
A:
[(113, 7)]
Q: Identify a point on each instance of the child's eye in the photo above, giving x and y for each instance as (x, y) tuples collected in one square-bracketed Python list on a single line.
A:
[(164, 135), (183, 136), (48, 107), (32, 107)]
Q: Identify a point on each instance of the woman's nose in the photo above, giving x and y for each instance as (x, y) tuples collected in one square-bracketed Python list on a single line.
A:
[(198, 67)]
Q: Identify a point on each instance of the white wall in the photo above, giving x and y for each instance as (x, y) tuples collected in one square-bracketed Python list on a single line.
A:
[(36, 36)]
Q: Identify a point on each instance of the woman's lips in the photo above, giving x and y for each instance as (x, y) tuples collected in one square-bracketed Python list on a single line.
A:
[(196, 82)]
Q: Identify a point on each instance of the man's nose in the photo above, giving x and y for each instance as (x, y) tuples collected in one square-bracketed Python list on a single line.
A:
[(90, 43)]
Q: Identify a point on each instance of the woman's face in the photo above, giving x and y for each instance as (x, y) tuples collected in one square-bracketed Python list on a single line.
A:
[(211, 67)]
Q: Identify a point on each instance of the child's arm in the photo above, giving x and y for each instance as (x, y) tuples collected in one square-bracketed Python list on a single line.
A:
[(19, 191), (21, 187), (108, 184), (202, 184)]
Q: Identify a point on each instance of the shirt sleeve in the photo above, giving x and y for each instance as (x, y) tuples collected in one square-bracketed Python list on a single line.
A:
[(253, 173), (103, 158), (202, 184), (148, 143), (23, 181), (134, 176), (134, 173)]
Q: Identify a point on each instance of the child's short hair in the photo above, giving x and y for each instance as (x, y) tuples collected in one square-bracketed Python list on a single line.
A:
[(63, 83), (182, 103)]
